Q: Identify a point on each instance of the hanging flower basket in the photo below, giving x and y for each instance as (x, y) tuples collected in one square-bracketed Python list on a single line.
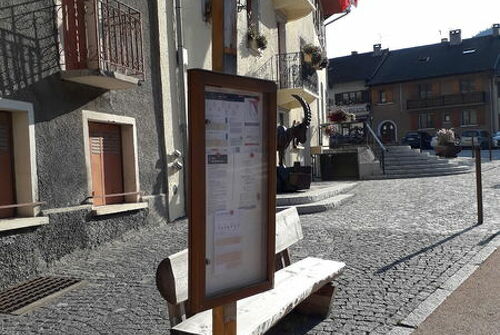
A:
[(341, 116), (256, 40)]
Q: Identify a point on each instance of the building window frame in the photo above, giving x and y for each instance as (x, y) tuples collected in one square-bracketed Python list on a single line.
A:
[(25, 168), (425, 91), (425, 121), (467, 86), (468, 117), (446, 117), (130, 162)]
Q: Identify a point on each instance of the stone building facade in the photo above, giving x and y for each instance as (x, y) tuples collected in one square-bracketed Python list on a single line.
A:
[(81, 128), (452, 84)]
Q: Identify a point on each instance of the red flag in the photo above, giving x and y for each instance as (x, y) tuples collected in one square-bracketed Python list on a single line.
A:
[(331, 7)]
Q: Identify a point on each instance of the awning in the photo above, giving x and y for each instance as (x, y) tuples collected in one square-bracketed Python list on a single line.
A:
[(331, 7)]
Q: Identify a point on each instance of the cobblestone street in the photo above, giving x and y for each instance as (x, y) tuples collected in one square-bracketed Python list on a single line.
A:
[(400, 240)]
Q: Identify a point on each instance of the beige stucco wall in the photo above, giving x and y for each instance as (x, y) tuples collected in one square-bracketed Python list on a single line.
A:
[(197, 43)]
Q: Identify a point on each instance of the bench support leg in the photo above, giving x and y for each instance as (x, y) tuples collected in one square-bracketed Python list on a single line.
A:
[(318, 303), (224, 319)]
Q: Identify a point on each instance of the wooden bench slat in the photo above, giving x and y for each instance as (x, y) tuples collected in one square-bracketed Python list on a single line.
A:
[(260, 312), (288, 229)]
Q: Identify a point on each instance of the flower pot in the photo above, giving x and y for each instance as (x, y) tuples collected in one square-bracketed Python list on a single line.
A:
[(449, 150), (307, 58)]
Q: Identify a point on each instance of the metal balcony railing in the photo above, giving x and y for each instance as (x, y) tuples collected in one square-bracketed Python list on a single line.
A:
[(104, 35), (289, 71), (447, 100)]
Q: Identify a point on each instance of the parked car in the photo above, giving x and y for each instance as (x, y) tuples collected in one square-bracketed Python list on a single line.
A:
[(481, 138), (495, 139), (415, 138)]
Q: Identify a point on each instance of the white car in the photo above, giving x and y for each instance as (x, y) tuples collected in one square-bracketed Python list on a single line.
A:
[(495, 139), (434, 141)]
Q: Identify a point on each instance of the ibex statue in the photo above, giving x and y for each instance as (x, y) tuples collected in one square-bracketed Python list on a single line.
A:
[(299, 132)]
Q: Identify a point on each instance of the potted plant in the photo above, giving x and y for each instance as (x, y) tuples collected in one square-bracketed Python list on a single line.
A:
[(446, 144), (312, 53), (256, 41)]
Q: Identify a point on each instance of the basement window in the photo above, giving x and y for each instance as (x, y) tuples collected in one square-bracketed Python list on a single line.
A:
[(468, 51)]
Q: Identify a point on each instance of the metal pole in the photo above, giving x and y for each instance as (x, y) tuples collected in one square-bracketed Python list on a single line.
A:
[(479, 187), (472, 147), (489, 142)]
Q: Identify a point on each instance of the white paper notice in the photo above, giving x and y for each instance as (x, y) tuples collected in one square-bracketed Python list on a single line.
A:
[(228, 240), (235, 182)]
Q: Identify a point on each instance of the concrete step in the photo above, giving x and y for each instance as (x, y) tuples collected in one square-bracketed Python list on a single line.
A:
[(419, 165), (436, 174), (419, 172), (317, 193), (321, 206)]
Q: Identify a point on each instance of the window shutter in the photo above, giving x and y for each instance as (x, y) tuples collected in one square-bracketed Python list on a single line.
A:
[(106, 162), (7, 195)]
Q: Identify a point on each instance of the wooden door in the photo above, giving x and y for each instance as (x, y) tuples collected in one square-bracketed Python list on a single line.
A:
[(106, 163), (7, 191)]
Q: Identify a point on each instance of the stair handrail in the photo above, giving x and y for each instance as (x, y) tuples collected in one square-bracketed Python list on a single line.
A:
[(380, 144), (379, 150)]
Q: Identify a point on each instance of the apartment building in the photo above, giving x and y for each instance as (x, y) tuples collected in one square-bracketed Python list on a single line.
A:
[(347, 81), (452, 84), (195, 38), (82, 156)]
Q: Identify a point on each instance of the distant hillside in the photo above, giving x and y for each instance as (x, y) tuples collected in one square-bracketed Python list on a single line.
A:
[(485, 32)]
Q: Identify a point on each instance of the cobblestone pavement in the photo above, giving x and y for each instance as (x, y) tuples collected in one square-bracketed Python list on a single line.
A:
[(400, 239)]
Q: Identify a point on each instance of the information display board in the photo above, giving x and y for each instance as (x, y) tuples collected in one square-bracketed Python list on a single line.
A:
[(232, 174)]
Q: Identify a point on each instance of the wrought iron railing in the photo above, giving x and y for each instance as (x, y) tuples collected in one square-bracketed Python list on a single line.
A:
[(104, 35), (289, 71), (447, 100), (376, 146), (121, 34)]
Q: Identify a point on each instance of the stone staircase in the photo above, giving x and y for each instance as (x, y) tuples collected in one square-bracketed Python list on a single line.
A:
[(405, 162), (322, 196)]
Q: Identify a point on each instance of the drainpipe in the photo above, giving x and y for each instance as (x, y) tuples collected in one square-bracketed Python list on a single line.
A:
[(182, 93)]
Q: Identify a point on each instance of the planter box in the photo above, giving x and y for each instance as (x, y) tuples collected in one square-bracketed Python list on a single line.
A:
[(448, 151)]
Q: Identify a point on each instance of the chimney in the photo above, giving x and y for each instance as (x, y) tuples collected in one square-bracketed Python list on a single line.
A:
[(354, 53), (495, 30), (455, 37), (444, 40), (377, 49)]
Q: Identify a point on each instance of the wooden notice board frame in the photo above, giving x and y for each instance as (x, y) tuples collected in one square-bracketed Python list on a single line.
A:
[(198, 81)]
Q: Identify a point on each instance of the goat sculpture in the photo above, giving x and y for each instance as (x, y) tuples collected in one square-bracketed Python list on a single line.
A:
[(299, 132)]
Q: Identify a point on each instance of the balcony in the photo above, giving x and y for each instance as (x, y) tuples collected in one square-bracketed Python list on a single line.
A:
[(293, 76), (102, 42), (294, 9), (474, 98)]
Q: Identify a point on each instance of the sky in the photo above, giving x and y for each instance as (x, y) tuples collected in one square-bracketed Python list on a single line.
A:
[(400, 24)]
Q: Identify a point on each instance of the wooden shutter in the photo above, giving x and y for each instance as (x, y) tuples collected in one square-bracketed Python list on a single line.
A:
[(75, 43), (7, 192), (106, 162)]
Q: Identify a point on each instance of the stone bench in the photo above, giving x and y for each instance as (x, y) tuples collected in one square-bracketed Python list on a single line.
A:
[(305, 285)]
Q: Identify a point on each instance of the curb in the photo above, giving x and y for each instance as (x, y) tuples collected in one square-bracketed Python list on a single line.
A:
[(432, 302)]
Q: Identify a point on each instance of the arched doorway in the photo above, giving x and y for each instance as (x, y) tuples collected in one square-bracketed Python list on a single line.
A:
[(387, 131)]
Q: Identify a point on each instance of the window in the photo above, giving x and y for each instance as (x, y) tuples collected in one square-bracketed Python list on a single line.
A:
[(384, 96), (425, 91), (7, 193), (425, 121), (111, 155), (446, 117), (253, 13), (469, 117), (18, 176), (467, 86)]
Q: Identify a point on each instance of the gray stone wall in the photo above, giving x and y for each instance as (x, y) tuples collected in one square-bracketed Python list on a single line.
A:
[(30, 71)]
